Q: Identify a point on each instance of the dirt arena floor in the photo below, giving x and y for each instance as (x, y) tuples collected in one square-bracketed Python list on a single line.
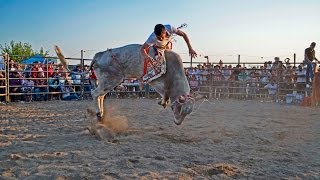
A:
[(222, 140)]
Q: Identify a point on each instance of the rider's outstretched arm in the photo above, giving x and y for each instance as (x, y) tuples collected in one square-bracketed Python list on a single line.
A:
[(186, 39)]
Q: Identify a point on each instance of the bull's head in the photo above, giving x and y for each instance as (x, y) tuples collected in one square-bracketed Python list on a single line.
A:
[(181, 107)]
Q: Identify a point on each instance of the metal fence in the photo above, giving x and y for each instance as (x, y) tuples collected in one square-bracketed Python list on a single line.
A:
[(210, 81)]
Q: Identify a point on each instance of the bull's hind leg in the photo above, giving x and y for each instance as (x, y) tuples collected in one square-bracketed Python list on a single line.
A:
[(97, 96)]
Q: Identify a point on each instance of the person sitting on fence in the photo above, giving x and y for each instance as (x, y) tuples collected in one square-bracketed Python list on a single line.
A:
[(68, 93), (272, 88), (27, 88)]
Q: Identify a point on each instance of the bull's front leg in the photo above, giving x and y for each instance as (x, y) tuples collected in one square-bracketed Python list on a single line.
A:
[(164, 100)]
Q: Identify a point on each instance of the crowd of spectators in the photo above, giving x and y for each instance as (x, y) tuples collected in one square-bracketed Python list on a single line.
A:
[(39, 82), (270, 79)]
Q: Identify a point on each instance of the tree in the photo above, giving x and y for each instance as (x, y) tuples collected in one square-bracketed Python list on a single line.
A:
[(19, 51)]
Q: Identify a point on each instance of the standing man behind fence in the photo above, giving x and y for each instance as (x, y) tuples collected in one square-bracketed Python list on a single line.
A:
[(309, 57)]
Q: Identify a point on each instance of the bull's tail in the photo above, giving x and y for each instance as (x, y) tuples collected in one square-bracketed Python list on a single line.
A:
[(65, 63)]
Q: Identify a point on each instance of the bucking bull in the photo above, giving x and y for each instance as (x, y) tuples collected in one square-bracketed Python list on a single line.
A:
[(112, 66)]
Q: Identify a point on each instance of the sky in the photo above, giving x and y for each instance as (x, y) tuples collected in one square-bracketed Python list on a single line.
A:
[(258, 30)]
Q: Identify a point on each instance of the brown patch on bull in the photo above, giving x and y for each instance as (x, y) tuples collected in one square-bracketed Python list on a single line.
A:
[(110, 126)]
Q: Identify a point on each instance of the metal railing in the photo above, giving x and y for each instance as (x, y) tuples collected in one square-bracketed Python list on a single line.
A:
[(210, 84)]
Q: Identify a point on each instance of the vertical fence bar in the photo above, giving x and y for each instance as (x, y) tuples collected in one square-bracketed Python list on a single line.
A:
[(82, 76), (7, 69)]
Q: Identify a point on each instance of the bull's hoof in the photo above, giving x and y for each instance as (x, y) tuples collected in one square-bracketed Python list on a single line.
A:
[(99, 117), (163, 104)]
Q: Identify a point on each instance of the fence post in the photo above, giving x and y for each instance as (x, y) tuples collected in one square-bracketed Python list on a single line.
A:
[(210, 83), (7, 69), (82, 76)]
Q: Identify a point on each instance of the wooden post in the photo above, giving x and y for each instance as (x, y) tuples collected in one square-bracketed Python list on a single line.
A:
[(239, 59), (82, 77), (7, 69), (294, 59)]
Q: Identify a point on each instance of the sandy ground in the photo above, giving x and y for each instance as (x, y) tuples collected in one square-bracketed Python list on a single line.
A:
[(221, 140)]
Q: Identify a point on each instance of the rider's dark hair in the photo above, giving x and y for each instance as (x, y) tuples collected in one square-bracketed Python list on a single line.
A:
[(158, 29)]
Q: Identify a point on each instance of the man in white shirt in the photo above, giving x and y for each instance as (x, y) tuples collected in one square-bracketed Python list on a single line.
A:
[(161, 39)]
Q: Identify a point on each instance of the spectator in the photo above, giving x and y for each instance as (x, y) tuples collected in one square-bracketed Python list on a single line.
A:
[(194, 83), (86, 81), (288, 76), (49, 69), (20, 70), (93, 79), (27, 88), (15, 83), (62, 72), (76, 78), (34, 70), (41, 88), (301, 79), (54, 86), (265, 77), (309, 57), (68, 93), (12, 66), (272, 88), (252, 86)]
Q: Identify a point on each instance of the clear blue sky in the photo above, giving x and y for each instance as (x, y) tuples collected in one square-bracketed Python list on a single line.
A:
[(218, 28)]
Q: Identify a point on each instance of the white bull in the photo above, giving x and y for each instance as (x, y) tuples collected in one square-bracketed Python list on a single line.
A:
[(114, 65)]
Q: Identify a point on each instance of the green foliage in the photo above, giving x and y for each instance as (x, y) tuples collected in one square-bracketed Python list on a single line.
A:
[(19, 51)]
